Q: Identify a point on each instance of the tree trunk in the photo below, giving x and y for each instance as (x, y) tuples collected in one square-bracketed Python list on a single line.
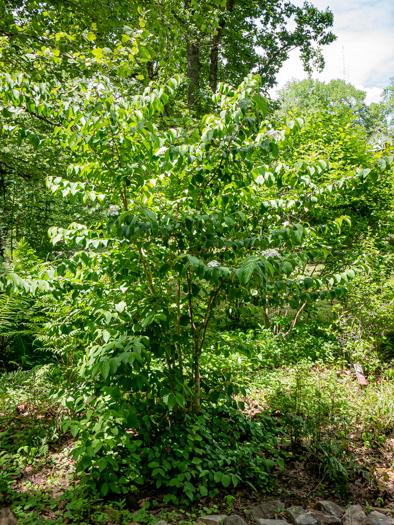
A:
[(197, 382), (215, 43), (1, 243), (214, 61), (193, 72)]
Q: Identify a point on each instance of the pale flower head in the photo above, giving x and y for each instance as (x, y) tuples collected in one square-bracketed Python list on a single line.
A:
[(270, 252), (113, 210)]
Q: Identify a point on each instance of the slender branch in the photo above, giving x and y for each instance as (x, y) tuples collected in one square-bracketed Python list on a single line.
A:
[(267, 323), (178, 326), (295, 320), (147, 269), (189, 298), (209, 313), (44, 119)]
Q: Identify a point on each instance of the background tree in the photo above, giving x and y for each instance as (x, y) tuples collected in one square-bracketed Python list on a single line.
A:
[(209, 41), (388, 100), (336, 95)]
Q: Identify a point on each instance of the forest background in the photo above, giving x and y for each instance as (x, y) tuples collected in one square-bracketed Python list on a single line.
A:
[(189, 269)]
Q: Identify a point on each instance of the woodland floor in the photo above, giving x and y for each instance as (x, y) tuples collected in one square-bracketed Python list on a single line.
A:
[(43, 479)]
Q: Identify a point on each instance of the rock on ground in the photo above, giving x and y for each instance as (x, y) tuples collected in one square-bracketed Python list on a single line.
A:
[(300, 516), (214, 519), (161, 522), (324, 518), (354, 515), (7, 517), (329, 507), (271, 522), (234, 519), (267, 510), (377, 518)]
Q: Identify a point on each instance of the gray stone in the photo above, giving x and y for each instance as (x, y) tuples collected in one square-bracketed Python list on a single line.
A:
[(214, 519), (325, 518), (329, 507), (234, 519), (7, 517), (266, 510), (300, 516), (377, 518), (271, 522), (161, 522), (354, 515)]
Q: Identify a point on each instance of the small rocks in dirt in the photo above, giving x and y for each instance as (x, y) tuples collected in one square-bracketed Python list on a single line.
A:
[(325, 519), (7, 517), (214, 519), (329, 507), (266, 510), (300, 516), (271, 522), (234, 519), (377, 518), (354, 515)]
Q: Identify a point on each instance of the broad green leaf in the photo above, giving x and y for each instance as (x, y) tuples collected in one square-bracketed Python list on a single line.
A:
[(226, 480)]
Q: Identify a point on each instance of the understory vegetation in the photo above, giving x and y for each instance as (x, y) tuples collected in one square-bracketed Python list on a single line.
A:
[(189, 270)]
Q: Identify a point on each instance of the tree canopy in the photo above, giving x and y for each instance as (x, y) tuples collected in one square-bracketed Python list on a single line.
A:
[(336, 95)]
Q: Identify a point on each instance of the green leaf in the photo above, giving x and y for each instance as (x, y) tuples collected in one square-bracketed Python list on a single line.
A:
[(244, 104), (286, 268), (180, 400), (308, 282), (105, 369), (203, 491), (218, 477), (245, 273), (226, 480), (74, 429), (270, 463)]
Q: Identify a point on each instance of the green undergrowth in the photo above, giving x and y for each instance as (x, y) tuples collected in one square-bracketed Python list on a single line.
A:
[(290, 400)]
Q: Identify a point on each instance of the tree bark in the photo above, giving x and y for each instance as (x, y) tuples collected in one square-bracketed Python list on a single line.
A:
[(197, 382), (215, 43), (193, 72)]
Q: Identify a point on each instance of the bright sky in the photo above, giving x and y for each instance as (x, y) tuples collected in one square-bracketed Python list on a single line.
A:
[(365, 45)]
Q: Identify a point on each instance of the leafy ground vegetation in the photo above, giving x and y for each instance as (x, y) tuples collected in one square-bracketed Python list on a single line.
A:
[(182, 340)]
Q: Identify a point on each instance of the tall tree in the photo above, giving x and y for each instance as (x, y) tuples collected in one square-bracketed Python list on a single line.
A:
[(388, 103), (209, 40), (336, 95)]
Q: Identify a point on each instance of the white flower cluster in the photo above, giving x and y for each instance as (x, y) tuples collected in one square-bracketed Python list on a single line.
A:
[(271, 252), (214, 264), (161, 150), (113, 210)]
